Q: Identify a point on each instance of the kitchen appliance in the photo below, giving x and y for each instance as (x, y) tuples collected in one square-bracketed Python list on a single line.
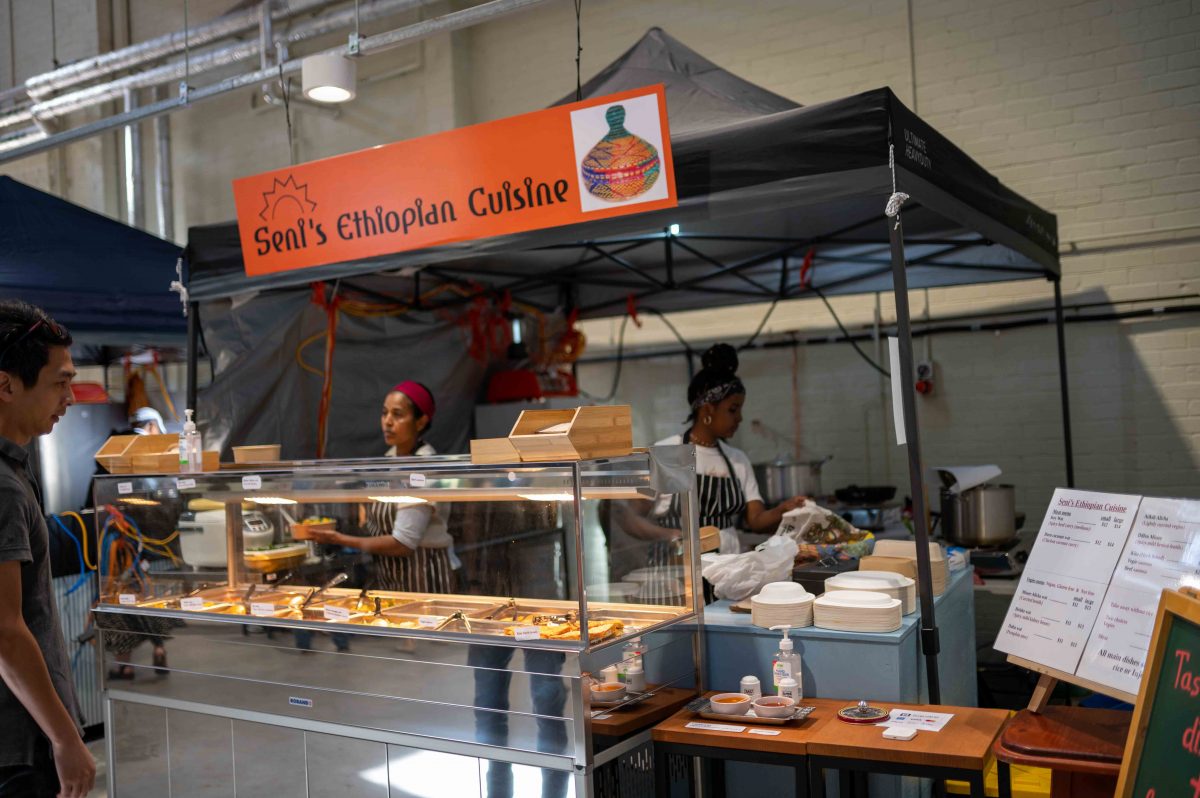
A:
[(1005, 561), (202, 536), (865, 494), (984, 515), (783, 478), (870, 517)]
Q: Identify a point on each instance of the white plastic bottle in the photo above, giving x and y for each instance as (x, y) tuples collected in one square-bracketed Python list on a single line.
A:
[(184, 444), (191, 438), (786, 662), (790, 688), (631, 656)]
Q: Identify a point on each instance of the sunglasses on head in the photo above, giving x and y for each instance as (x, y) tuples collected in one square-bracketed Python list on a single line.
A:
[(32, 328)]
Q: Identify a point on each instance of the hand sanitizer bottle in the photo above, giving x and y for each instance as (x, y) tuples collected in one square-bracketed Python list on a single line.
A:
[(195, 451), (786, 662), (185, 465)]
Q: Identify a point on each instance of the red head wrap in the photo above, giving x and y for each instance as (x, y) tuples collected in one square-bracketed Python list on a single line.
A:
[(419, 395)]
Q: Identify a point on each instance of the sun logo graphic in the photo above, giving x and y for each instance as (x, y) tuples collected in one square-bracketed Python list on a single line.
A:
[(287, 221)]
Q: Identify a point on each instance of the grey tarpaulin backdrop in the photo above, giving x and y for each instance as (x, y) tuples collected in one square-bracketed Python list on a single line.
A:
[(263, 396)]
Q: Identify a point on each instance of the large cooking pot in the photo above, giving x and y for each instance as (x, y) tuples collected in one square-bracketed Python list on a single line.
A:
[(784, 479), (981, 516)]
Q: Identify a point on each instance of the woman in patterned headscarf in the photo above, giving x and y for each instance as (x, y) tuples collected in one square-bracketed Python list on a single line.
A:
[(727, 491), (729, 498), (410, 545)]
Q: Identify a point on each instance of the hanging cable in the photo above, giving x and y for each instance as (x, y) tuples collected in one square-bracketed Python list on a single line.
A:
[(285, 92), (846, 333), (761, 324), (578, 49)]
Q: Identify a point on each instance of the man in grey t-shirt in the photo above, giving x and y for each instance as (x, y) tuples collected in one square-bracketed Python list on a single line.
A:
[(42, 754)]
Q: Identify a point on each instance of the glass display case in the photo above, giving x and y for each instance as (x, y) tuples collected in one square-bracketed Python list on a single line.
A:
[(393, 611)]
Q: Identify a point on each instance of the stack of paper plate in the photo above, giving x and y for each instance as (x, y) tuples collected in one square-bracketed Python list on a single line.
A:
[(908, 550), (782, 603), (857, 611), (895, 585)]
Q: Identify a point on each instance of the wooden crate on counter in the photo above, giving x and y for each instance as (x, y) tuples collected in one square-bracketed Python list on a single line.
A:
[(579, 434)]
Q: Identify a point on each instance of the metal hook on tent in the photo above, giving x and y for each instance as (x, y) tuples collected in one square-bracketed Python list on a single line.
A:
[(892, 210), (178, 287)]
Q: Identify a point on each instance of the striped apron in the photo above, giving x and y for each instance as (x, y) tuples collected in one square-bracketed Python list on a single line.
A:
[(426, 570), (722, 504)]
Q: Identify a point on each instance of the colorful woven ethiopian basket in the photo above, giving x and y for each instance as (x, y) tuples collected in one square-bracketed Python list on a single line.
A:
[(621, 166)]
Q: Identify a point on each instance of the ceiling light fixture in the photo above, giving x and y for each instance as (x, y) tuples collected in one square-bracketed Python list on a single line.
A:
[(329, 78)]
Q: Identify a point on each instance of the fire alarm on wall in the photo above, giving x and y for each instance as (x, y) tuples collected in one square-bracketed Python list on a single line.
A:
[(924, 384)]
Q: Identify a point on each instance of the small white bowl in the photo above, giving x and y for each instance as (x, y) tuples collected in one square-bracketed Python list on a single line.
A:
[(739, 707), (774, 706), (608, 693), (778, 592)]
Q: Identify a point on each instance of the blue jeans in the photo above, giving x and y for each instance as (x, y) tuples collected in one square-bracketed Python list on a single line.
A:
[(549, 697), (304, 638)]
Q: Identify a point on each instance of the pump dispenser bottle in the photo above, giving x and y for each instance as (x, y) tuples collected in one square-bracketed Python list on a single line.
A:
[(189, 442), (786, 662)]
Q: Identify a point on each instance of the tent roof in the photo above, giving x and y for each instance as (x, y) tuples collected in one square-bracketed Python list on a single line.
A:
[(105, 281), (760, 181)]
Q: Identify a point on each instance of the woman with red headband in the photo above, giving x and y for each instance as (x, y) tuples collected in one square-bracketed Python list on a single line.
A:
[(411, 548)]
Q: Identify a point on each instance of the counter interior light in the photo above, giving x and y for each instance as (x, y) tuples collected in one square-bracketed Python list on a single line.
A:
[(329, 78), (399, 499), (271, 500), (548, 497)]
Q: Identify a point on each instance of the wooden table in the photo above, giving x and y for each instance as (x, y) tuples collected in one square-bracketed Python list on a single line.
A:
[(1082, 747), (623, 722), (962, 750)]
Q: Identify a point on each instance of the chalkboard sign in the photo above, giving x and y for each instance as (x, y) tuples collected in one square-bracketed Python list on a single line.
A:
[(1162, 755)]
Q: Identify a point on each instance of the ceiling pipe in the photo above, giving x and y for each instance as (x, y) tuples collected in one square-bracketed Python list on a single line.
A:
[(163, 189), (444, 24), (40, 86), (134, 194), (202, 62)]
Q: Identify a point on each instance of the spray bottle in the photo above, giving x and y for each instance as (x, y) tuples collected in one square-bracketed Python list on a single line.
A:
[(785, 664)]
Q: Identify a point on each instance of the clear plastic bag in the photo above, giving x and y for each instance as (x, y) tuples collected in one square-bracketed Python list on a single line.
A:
[(738, 576)]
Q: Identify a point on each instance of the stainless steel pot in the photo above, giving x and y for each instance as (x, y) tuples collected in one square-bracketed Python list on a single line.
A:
[(784, 479), (981, 516)]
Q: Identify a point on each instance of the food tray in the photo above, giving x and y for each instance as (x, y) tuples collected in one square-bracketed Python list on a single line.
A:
[(701, 706)]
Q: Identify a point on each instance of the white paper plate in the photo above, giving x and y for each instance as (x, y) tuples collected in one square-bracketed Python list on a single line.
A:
[(857, 599)]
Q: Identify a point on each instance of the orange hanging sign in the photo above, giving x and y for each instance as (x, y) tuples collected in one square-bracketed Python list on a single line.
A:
[(594, 159)]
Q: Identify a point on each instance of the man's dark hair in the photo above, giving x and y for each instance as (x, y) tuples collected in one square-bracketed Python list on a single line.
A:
[(26, 335)]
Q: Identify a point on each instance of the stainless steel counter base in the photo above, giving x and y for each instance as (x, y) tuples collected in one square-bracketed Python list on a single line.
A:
[(248, 709)]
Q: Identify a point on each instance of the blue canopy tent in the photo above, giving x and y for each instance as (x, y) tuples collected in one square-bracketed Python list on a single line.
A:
[(107, 282)]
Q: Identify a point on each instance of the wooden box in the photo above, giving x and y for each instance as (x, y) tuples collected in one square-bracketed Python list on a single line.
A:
[(122, 462), (579, 434), (112, 450), (490, 451), (168, 462)]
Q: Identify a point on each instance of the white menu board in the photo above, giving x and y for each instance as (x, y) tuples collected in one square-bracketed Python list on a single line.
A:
[(1162, 552), (1066, 577)]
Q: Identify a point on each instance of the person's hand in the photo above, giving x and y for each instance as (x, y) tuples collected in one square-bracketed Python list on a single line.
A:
[(328, 536), (76, 768), (787, 505)]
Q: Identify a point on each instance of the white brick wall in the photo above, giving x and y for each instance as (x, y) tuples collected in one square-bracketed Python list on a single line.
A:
[(1091, 109)]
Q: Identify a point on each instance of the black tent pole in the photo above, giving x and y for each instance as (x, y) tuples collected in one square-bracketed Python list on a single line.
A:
[(930, 645), (193, 348), (1062, 379)]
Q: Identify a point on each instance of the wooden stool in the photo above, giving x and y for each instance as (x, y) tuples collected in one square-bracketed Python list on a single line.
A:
[(1082, 747)]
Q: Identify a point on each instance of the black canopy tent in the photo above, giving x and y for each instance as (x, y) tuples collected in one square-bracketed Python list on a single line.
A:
[(761, 183)]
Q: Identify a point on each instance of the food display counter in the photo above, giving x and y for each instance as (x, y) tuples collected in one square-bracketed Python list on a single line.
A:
[(308, 673)]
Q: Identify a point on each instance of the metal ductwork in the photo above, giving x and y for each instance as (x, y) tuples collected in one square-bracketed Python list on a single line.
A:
[(201, 62), (14, 149), (41, 86)]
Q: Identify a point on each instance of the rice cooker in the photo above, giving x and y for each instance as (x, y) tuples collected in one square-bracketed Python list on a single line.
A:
[(202, 536)]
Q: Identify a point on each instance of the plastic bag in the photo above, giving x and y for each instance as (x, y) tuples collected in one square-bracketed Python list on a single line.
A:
[(738, 576), (822, 533)]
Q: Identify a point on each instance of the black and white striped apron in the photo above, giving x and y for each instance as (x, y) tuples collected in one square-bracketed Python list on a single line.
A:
[(426, 570), (722, 504)]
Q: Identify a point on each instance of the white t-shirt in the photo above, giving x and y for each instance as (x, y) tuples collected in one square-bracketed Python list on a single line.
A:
[(422, 524), (710, 463)]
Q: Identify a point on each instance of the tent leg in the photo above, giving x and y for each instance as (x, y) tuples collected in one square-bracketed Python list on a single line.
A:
[(193, 351), (1062, 381), (930, 645)]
